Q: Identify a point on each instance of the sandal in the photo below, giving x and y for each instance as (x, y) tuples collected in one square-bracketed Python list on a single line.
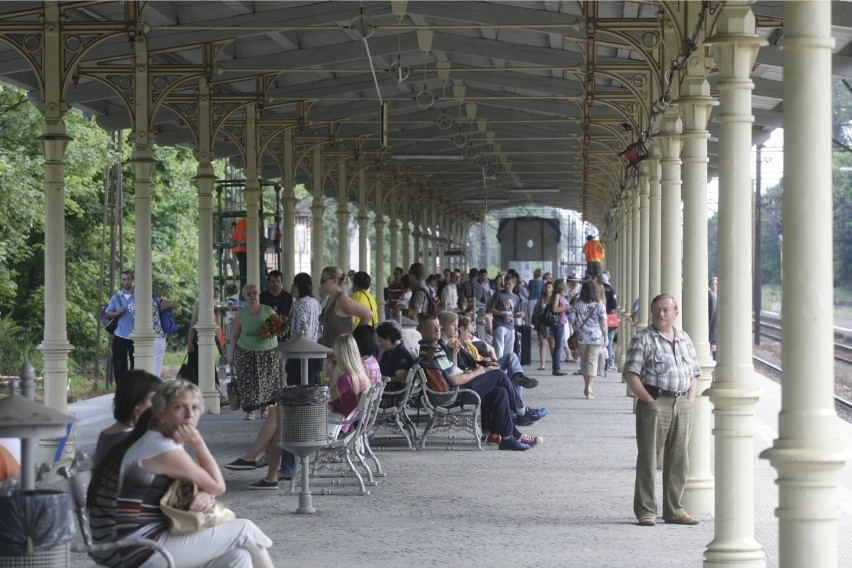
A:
[(264, 412), (249, 416), (542, 368)]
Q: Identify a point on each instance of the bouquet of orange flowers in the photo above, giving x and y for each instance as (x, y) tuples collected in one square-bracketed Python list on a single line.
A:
[(275, 326)]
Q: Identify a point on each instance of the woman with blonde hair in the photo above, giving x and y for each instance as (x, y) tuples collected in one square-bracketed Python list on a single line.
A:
[(148, 467), (339, 310), (348, 382)]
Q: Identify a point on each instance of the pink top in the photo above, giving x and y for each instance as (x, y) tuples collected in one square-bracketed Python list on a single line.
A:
[(348, 400), (374, 373)]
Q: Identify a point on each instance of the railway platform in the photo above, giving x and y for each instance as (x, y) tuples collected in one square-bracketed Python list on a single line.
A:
[(565, 503)]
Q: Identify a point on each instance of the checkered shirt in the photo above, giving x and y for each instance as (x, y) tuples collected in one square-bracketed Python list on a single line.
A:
[(659, 363)]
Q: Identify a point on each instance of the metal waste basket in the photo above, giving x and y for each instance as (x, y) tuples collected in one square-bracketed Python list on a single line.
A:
[(302, 418), (36, 529)]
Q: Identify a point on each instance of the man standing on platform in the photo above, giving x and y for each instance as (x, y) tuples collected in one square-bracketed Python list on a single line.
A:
[(505, 306), (123, 307), (275, 296), (660, 369), (594, 253)]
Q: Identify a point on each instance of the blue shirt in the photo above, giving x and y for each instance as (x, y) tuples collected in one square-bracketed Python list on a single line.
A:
[(127, 320), (536, 287)]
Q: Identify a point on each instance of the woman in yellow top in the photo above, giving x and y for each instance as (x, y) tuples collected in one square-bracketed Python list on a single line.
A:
[(362, 295)]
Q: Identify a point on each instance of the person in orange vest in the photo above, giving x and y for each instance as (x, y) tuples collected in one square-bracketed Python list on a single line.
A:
[(594, 253), (239, 238)]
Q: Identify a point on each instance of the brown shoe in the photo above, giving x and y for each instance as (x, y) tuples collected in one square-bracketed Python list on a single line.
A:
[(647, 520), (683, 519)]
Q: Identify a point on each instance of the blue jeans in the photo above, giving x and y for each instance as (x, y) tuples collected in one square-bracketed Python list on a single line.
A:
[(611, 334), (288, 463), (558, 345), (504, 341), (499, 401), (510, 364)]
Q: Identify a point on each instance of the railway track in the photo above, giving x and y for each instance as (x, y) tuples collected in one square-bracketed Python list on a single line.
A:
[(842, 354)]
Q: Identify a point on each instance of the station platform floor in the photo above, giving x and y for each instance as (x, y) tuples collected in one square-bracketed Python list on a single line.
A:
[(565, 503)]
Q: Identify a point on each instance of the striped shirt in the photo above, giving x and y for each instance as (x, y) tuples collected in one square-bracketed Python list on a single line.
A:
[(661, 363)]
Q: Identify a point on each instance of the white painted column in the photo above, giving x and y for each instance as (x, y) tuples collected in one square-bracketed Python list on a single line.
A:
[(406, 245), (206, 326), (626, 329), (695, 105), (644, 246), (807, 453), (343, 239), (393, 229), (252, 194), (637, 269), (379, 281), (54, 141), (363, 219), (671, 236), (735, 392), (417, 243), (143, 163), (317, 210), (288, 201), (654, 232)]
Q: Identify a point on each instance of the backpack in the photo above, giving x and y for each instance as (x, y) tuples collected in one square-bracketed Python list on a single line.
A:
[(431, 301)]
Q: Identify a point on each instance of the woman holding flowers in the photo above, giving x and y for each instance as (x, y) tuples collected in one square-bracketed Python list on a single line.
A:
[(252, 352)]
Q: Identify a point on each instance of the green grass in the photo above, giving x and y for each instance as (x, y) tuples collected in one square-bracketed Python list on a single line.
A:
[(174, 358), (770, 294)]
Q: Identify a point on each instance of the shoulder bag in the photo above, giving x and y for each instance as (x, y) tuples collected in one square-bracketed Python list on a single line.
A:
[(574, 340), (175, 505), (110, 324)]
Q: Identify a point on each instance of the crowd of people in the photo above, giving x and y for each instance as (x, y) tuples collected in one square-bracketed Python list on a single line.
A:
[(467, 324)]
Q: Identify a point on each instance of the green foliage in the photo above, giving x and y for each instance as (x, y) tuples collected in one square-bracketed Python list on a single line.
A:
[(17, 346), (88, 159), (770, 234), (713, 245)]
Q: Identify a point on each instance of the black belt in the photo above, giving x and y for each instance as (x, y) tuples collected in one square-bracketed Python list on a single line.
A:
[(657, 392)]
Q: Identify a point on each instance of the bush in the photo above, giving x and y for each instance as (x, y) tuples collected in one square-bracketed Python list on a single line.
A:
[(16, 348)]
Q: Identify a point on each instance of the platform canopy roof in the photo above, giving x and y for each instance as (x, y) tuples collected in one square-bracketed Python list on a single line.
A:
[(481, 97)]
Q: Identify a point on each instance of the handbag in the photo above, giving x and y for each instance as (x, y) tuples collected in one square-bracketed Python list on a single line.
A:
[(110, 324), (574, 340), (186, 371), (612, 320), (175, 504), (549, 318), (233, 395)]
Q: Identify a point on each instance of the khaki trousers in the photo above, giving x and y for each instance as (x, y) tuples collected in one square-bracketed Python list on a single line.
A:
[(666, 421)]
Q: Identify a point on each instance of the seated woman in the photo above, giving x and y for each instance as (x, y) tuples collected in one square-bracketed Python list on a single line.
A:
[(349, 381), (149, 467), (132, 398)]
